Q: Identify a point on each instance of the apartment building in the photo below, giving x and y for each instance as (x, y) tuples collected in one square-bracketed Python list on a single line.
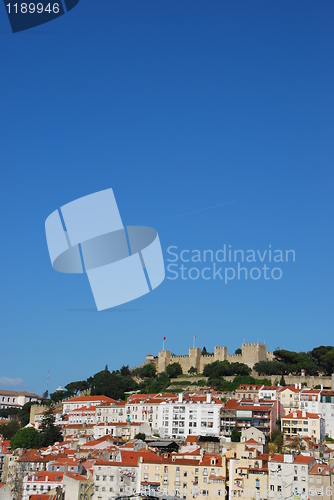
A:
[(288, 476), (41, 483), (111, 412), (228, 417), (83, 415), (310, 400), (118, 478), (248, 475), (197, 415), (247, 391), (262, 415), (288, 396), (77, 487), (321, 481), (303, 424), (14, 399), (180, 477), (80, 401), (326, 408)]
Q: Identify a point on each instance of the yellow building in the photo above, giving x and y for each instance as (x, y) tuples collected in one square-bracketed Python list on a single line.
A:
[(303, 424), (181, 477)]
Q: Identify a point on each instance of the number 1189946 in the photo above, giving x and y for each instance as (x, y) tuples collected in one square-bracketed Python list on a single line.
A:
[(31, 8)]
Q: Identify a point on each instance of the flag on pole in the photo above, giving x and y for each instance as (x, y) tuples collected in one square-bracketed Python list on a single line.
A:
[(164, 338)]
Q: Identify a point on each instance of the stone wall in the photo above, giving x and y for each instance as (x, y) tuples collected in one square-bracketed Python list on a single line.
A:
[(251, 354)]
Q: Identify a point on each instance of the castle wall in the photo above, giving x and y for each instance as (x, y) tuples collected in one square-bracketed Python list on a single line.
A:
[(251, 354), (184, 362)]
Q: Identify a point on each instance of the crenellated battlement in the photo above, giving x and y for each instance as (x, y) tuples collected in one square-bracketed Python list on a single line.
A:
[(251, 353)]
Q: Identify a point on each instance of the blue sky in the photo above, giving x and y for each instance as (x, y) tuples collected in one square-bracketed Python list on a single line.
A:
[(178, 106)]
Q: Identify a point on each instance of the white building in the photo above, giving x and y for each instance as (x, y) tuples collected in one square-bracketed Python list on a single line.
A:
[(197, 415), (327, 411), (288, 476), (118, 478), (111, 412), (83, 415), (13, 399), (41, 483), (80, 401), (144, 409)]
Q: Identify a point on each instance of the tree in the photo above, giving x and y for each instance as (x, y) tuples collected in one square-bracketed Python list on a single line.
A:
[(276, 438), (271, 368), (125, 371), (50, 433), (112, 384), (79, 386), (327, 361), (192, 370), (140, 435), (57, 396), (148, 371), (204, 352), (235, 435), (27, 437), (9, 430), (238, 351), (8, 412), (282, 381), (174, 370)]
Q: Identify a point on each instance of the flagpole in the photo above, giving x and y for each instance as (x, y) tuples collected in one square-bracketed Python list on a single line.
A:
[(163, 343)]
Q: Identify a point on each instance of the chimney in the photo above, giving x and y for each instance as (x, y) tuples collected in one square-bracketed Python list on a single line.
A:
[(180, 397), (322, 387), (303, 414), (208, 397), (300, 385), (296, 386)]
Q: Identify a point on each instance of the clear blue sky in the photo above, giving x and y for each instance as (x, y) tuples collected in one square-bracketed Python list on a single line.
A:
[(178, 106)]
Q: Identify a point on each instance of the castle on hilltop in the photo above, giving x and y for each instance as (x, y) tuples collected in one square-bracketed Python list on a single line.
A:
[(250, 354)]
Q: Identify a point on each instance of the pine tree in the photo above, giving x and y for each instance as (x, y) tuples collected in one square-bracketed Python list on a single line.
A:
[(49, 432)]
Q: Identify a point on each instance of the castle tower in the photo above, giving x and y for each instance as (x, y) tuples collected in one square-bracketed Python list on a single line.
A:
[(195, 357), (164, 358), (220, 353), (253, 353)]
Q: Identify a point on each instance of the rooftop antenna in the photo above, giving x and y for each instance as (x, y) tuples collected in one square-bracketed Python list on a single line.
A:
[(194, 337)]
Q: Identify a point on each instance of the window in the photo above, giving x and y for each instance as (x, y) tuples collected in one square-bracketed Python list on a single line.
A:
[(177, 469), (272, 487), (97, 478), (111, 478), (185, 474), (279, 488)]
